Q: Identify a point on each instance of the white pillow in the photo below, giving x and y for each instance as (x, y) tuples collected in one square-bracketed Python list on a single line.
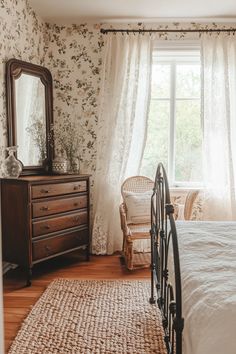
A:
[(138, 207)]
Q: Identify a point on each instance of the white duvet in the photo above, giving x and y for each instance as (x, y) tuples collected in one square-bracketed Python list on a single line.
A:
[(208, 270)]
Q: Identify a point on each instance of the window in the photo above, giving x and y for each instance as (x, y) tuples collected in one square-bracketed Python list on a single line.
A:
[(174, 134)]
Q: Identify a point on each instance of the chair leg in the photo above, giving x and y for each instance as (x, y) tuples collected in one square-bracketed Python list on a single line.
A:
[(124, 246), (129, 255)]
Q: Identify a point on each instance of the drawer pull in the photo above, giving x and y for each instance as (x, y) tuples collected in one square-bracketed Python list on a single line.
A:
[(45, 227), (45, 191), (76, 219), (76, 187), (76, 204), (47, 248), (43, 208)]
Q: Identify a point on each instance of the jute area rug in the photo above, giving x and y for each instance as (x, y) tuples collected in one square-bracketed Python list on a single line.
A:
[(92, 317)]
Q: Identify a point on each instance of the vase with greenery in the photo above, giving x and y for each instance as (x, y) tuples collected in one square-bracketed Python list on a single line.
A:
[(66, 142)]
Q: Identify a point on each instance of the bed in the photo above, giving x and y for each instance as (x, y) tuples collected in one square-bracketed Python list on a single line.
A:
[(193, 278)]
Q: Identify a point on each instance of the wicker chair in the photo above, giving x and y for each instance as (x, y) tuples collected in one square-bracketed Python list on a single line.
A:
[(188, 206), (133, 232)]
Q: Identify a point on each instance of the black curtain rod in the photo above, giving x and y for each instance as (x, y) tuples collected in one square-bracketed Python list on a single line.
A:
[(104, 31)]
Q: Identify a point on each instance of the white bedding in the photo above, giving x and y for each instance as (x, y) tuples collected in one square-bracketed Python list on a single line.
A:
[(208, 270)]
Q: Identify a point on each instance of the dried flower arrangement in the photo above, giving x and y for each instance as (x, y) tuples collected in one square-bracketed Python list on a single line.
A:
[(65, 140)]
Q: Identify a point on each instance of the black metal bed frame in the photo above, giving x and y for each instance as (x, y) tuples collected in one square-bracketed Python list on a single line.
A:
[(163, 235)]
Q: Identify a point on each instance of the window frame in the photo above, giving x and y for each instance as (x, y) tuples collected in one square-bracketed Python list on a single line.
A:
[(184, 51)]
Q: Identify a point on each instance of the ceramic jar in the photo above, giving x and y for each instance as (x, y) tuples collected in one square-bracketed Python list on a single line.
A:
[(12, 167), (59, 165)]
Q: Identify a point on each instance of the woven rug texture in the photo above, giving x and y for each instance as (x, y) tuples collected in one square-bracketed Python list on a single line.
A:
[(92, 317)]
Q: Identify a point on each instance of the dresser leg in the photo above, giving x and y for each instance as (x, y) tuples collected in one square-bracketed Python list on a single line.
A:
[(29, 277)]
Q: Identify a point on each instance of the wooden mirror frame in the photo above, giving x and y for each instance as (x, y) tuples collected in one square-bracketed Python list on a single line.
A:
[(14, 69)]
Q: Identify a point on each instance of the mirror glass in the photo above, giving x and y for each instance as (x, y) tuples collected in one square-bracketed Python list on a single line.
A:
[(29, 99), (30, 120)]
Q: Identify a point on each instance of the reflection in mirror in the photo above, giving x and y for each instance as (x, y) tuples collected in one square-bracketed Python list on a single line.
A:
[(30, 120)]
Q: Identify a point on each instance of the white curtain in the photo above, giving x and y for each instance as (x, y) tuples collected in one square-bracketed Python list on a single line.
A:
[(121, 131), (219, 124)]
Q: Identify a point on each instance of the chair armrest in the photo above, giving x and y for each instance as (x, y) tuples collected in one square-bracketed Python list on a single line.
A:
[(189, 203), (123, 219)]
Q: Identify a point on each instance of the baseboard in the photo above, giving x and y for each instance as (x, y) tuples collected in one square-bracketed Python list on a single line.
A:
[(7, 266)]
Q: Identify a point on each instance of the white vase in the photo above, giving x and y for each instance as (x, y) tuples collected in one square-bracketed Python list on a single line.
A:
[(12, 167)]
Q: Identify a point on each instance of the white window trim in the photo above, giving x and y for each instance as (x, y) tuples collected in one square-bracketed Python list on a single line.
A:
[(181, 46)]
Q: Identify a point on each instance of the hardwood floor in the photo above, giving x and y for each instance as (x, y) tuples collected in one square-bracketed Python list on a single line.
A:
[(18, 299)]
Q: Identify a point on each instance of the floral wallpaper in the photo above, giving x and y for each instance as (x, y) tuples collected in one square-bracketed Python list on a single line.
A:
[(21, 37), (74, 56)]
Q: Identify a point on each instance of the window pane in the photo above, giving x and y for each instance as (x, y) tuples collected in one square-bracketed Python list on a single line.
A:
[(161, 81), (188, 144), (156, 149), (187, 80)]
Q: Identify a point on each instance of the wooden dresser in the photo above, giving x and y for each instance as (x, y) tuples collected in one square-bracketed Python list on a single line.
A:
[(43, 217)]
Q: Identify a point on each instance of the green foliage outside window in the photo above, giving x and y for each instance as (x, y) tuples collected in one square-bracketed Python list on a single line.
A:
[(175, 111)]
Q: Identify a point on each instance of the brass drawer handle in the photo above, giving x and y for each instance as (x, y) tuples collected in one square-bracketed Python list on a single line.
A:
[(44, 208), (44, 191)]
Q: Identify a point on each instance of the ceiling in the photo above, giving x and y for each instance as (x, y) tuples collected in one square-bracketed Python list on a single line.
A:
[(77, 10)]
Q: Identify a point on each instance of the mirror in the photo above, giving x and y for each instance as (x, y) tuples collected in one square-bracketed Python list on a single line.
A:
[(31, 120), (29, 109)]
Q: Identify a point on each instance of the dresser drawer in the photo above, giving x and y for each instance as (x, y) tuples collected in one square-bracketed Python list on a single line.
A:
[(45, 208), (49, 246), (47, 190), (59, 223)]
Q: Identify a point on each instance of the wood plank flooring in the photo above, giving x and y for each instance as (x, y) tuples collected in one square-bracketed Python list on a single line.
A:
[(18, 299)]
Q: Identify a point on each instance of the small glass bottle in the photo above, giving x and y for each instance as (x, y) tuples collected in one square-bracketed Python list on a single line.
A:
[(74, 165), (12, 167)]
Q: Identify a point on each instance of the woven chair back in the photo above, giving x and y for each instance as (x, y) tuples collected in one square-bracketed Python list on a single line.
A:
[(137, 184)]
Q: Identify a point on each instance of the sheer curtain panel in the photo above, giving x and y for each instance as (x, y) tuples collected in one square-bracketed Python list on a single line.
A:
[(122, 125), (219, 124)]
